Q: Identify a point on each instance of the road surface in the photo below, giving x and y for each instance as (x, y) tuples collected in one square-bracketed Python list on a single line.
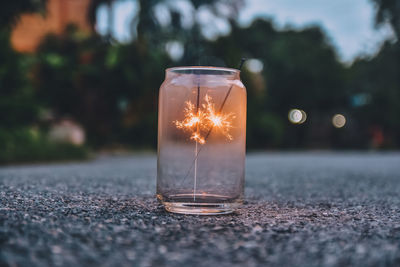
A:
[(302, 209)]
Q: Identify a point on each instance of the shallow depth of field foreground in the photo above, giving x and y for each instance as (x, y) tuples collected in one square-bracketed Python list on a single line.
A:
[(301, 209)]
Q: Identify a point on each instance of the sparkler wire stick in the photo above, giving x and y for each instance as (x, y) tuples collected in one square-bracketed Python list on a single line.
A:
[(195, 151), (194, 162)]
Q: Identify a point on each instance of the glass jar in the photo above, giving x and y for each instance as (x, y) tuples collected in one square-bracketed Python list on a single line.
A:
[(201, 140)]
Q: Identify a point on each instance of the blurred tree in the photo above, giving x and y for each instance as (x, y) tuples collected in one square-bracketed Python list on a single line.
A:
[(182, 25), (388, 11), (377, 81), (11, 10), (301, 71), (92, 14), (110, 89), (17, 101), (20, 140)]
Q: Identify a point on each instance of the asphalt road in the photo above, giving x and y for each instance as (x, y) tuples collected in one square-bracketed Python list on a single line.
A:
[(302, 209)]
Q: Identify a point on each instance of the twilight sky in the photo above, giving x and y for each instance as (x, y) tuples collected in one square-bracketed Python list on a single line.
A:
[(349, 24)]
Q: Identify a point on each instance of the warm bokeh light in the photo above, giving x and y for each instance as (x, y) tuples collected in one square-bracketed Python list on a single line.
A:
[(297, 116), (338, 120)]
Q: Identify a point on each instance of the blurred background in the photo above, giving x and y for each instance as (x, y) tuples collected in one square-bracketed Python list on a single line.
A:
[(82, 76)]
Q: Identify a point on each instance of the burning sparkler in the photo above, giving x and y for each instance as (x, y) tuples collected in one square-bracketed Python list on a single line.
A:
[(218, 120), (199, 120), (204, 119), (192, 122)]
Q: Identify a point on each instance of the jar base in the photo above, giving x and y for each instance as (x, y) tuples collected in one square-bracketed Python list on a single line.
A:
[(203, 205)]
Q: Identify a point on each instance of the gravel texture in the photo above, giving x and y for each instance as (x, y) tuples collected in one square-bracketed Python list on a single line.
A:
[(302, 209)]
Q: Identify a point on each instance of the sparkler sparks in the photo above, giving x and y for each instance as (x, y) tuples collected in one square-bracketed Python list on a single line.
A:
[(204, 119), (197, 137), (192, 118), (220, 121)]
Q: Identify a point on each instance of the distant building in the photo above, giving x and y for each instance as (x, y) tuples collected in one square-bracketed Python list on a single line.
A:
[(31, 28)]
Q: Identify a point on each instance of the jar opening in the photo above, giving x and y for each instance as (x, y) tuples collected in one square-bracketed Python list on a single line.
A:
[(200, 70)]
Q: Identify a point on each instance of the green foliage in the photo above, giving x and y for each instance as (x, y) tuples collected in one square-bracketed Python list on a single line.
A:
[(265, 131), (19, 105), (30, 145), (17, 101), (110, 89)]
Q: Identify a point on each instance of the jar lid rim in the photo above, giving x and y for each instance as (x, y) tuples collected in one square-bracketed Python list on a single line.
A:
[(203, 68)]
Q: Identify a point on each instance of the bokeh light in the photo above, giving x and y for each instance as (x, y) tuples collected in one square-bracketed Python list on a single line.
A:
[(338, 120), (254, 65), (175, 50), (297, 116)]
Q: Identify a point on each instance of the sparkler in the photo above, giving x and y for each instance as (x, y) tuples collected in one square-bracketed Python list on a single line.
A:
[(205, 119), (199, 120)]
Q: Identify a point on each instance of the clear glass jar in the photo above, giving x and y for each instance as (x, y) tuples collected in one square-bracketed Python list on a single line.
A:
[(201, 140)]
